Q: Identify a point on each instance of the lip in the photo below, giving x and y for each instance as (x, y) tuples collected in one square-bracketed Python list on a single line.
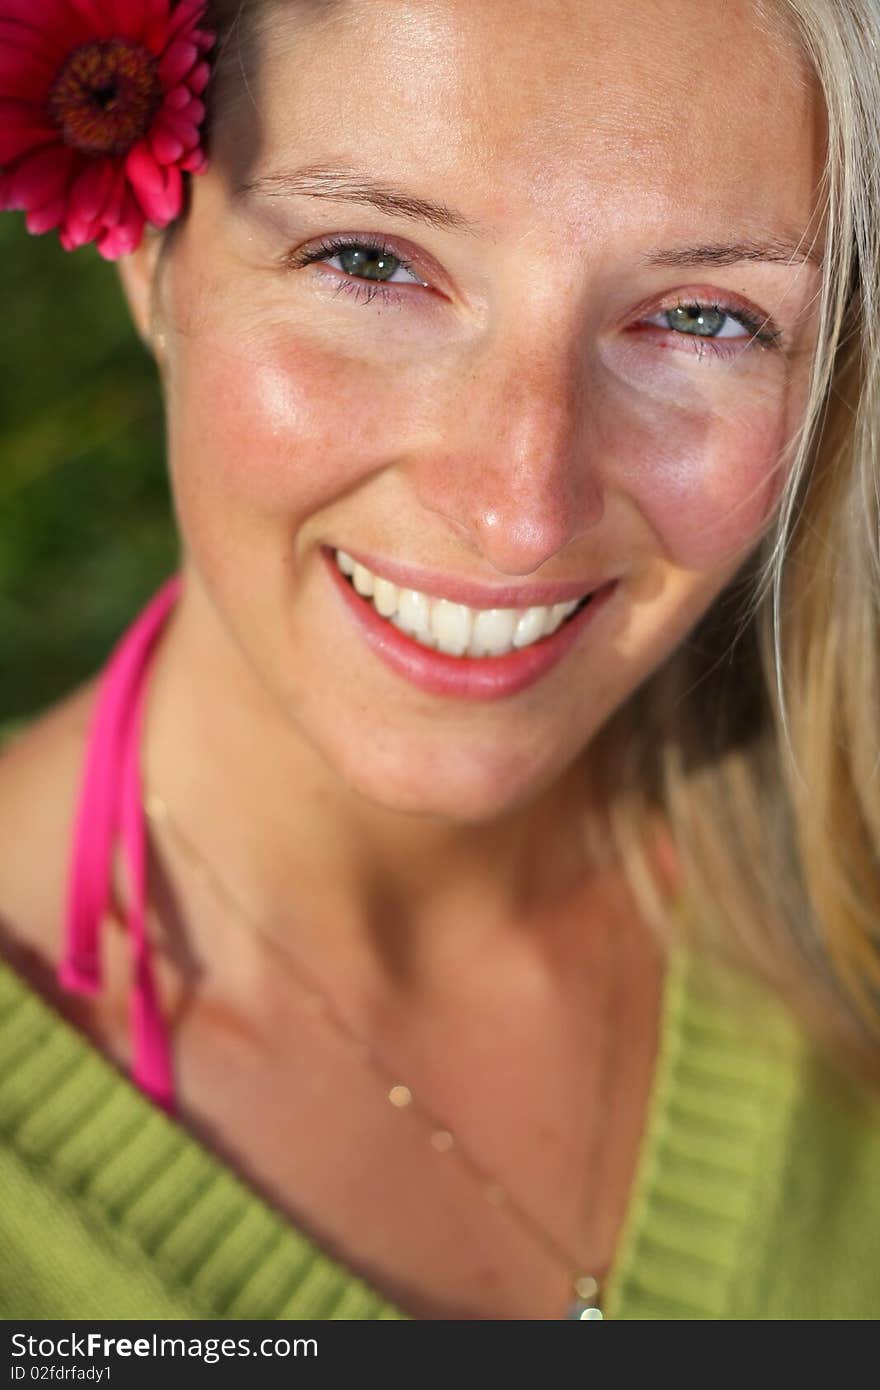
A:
[(542, 594), (473, 678)]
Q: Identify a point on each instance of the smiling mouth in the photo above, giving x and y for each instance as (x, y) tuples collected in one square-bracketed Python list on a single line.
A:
[(455, 628)]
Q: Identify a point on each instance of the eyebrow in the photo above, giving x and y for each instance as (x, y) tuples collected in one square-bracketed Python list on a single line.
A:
[(342, 185), (347, 186), (786, 250)]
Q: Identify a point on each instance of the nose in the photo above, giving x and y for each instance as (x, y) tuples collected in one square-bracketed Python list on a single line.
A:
[(516, 474)]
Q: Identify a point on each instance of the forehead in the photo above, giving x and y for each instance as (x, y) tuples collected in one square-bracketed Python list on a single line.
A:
[(596, 109)]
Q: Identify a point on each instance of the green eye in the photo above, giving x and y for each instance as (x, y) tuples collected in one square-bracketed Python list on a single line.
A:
[(711, 322), (367, 262), (361, 260), (700, 320)]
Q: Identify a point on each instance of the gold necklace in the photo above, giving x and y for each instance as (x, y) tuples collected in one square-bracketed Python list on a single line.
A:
[(585, 1289)]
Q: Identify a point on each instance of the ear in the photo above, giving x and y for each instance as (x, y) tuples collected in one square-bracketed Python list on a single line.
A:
[(137, 274)]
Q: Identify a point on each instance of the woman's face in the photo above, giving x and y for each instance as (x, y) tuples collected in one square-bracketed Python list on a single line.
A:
[(583, 370)]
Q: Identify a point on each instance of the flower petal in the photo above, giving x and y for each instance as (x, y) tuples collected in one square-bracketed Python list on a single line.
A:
[(40, 220), (42, 176), (156, 10), (126, 236), (199, 78), (49, 17), (17, 144), (158, 189), (22, 113), (186, 15), (196, 162), (186, 105), (127, 20), (115, 198), (79, 231), (186, 132), (178, 97), (21, 128), (173, 195), (158, 27), (166, 147), (99, 24), (19, 37), (25, 75), (91, 191), (177, 62)]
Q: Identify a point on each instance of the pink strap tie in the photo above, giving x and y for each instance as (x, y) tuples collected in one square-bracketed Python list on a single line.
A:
[(110, 807)]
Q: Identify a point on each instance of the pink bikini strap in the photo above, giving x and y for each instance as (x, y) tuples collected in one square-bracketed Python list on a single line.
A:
[(109, 807)]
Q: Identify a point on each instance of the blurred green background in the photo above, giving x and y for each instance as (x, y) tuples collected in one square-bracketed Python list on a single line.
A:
[(86, 530)]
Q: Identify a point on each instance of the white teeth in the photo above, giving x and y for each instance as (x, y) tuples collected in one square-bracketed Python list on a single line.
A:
[(386, 597), (451, 625), (363, 581), (493, 632), (414, 615), (558, 613), (530, 627), (454, 628)]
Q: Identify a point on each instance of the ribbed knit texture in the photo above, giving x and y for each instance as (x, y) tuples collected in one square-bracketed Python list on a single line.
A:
[(757, 1193), (108, 1209)]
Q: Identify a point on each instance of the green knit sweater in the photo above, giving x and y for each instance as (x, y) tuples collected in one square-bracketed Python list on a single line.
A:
[(757, 1193)]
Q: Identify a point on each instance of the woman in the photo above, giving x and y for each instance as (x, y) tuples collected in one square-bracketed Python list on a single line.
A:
[(507, 742)]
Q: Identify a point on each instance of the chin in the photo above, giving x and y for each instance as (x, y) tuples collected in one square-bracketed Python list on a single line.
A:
[(437, 783)]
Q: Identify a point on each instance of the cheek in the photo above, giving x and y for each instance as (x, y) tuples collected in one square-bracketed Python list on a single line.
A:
[(275, 426), (705, 481)]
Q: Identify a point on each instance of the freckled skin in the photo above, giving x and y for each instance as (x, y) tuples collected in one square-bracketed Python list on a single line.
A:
[(517, 419), (525, 416)]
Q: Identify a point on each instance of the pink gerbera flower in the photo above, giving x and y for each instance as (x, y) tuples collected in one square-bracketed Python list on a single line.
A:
[(100, 113)]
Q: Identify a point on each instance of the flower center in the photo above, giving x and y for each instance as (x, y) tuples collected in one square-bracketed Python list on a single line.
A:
[(105, 97)]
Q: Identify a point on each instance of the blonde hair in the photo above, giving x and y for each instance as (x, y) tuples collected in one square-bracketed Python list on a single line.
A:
[(757, 744), (754, 748)]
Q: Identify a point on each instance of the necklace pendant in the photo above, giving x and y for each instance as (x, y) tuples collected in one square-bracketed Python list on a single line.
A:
[(585, 1307)]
